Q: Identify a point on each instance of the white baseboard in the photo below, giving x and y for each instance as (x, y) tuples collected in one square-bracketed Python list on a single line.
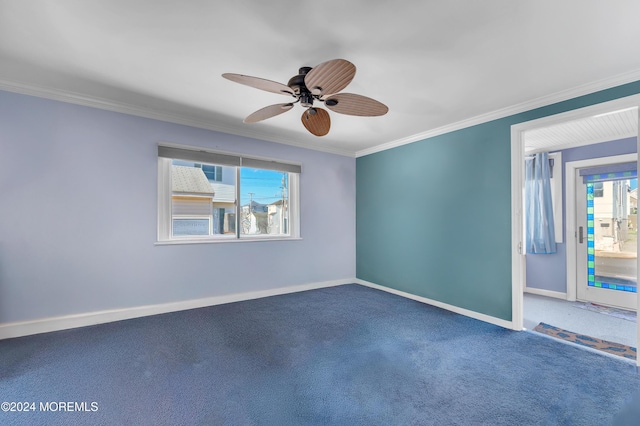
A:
[(548, 293), (45, 325), (472, 314)]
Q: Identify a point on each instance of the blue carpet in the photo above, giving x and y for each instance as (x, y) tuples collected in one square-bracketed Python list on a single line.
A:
[(347, 355)]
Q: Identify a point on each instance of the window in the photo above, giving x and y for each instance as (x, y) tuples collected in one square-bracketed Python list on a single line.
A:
[(598, 189), (213, 173), (209, 196)]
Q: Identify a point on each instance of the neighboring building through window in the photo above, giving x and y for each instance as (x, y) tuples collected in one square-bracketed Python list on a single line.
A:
[(198, 200), (191, 198), (199, 207), (213, 173)]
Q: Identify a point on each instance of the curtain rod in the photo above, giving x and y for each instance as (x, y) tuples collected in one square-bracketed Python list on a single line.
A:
[(551, 162)]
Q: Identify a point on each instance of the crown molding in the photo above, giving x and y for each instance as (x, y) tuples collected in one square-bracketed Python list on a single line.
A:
[(100, 103), (120, 107), (512, 110)]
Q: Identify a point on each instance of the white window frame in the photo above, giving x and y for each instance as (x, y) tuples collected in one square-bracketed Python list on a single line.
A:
[(164, 231)]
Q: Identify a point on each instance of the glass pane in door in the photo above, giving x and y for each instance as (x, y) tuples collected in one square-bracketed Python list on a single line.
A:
[(612, 230)]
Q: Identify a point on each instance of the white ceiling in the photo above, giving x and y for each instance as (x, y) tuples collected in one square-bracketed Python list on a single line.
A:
[(585, 131), (436, 64)]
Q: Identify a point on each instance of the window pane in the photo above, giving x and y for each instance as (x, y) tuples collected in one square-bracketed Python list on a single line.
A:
[(201, 203), (209, 171), (190, 226), (598, 189), (613, 230), (264, 201)]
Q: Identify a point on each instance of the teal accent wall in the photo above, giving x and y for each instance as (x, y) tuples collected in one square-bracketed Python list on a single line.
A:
[(433, 218)]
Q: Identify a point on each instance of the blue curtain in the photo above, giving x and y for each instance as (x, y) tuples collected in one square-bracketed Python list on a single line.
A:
[(540, 233)]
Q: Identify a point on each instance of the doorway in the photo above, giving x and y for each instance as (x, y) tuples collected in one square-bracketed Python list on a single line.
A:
[(517, 167)]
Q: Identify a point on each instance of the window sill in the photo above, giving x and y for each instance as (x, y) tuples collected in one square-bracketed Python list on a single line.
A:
[(224, 240)]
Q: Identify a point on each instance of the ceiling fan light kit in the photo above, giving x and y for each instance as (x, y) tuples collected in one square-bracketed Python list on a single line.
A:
[(321, 83)]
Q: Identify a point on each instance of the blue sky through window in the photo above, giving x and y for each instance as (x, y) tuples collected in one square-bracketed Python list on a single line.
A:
[(265, 186)]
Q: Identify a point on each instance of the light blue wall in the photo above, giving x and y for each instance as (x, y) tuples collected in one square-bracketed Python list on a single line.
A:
[(434, 217), (78, 210), (549, 271)]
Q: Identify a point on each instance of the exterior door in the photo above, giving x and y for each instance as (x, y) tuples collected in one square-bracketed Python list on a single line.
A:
[(606, 210)]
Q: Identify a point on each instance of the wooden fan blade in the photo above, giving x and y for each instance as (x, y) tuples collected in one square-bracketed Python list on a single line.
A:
[(351, 104), (318, 123), (330, 77), (260, 83), (268, 112)]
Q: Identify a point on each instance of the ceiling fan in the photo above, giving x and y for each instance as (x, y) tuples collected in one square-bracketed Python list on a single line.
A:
[(321, 83)]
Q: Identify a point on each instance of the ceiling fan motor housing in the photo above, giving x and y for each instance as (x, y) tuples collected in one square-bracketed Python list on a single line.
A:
[(306, 99), (297, 84)]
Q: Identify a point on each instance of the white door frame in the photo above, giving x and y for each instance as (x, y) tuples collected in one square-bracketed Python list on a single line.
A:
[(517, 190)]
